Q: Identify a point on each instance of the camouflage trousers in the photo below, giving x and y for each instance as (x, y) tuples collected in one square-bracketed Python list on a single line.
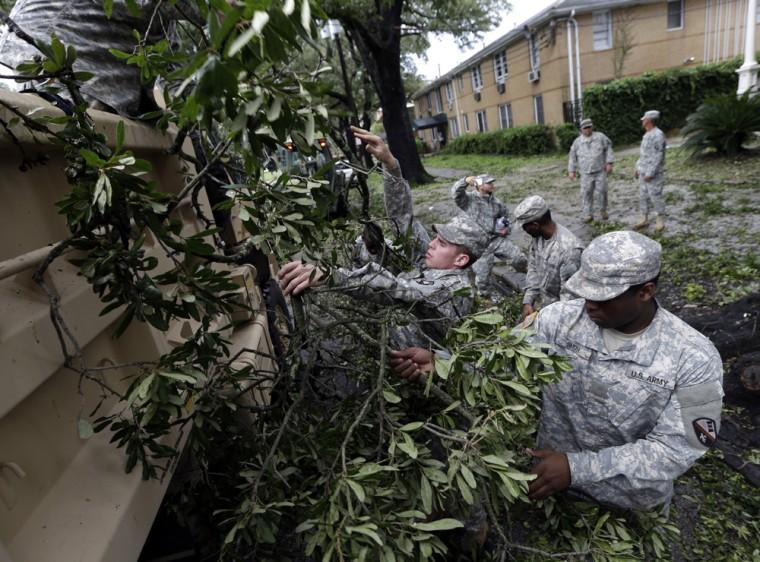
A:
[(590, 184), (650, 195), (499, 249)]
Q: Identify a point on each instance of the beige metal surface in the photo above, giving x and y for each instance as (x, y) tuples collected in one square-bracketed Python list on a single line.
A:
[(74, 501)]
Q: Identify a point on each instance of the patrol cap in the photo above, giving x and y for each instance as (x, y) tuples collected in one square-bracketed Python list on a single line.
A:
[(652, 114), (586, 123), (531, 209), (485, 178), (464, 232), (614, 262)]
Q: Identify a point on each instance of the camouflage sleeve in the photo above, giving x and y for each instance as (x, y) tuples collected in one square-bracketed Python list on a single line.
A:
[(376, 284), (639, 475), (610, 159), (532, 282), (397, 195), (461, 196), (572, 161), (571, 262)]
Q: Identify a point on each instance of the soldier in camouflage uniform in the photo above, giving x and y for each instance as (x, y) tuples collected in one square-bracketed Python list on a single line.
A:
[(592, 156), (643, 400), (492, 215), (554, 254), (650, 172), (84, 25), (438, 294)]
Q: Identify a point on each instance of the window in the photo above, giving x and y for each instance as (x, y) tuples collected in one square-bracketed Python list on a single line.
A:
[(450, 92), (505, 115), (482, 123), (460, 83), (602, 24), (453, 128), (500, 67), (535, 52), (429, 103), (477, 79), (538, 109), (438, 101), (675, 14), (466, 123)]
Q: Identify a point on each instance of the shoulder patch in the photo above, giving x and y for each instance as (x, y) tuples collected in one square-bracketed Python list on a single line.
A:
[(705, 430)]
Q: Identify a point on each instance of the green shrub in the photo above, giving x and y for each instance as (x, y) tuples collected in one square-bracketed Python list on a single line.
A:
[(723, 123), (422, 147), (617, 106), (566, 135), (518, 141)]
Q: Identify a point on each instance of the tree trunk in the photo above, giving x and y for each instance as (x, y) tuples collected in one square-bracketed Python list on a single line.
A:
[(382, 59)]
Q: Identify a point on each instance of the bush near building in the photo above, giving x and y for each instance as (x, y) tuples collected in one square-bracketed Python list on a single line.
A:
[(616, 107), (566, 135), (518, 141)]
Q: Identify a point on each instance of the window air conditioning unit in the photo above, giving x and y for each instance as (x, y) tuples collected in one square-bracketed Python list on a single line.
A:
[(534, 75), (477, 96), (501, 87)]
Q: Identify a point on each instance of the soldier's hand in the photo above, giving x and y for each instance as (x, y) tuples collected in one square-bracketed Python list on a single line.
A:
[(527, 310), (609, 168), (504, 232), (572, 176), (412, 362), (553, 474), (636, 174), (470, 180), (648, 178), (375, 146), (295, 277)]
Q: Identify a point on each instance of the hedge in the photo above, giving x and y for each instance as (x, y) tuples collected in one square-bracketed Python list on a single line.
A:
[(616, 107), (566, 135), (521, 141)]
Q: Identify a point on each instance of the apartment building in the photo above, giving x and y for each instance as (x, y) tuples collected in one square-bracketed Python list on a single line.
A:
[(536, 72)]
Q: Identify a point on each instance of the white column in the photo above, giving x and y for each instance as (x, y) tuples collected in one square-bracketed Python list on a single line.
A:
[(748, 71)]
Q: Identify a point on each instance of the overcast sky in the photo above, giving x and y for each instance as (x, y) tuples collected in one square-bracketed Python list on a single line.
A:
[(444, 54)]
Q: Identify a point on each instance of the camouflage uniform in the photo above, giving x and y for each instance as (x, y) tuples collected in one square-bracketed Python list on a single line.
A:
[(492, 215), (550, 262), (651, 163), (590, 155), (84, 25), (634, 419), (437, 297)]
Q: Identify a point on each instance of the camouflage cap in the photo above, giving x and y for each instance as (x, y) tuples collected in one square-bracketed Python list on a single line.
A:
[(485, 178), (652, 114), (464, 232), (586, 123), (614, 262), (531, 209)]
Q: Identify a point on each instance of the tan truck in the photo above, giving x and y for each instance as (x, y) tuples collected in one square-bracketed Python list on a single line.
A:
[(65, 498)]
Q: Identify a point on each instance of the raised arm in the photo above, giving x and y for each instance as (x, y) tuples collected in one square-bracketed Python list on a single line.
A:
[(460, 194)]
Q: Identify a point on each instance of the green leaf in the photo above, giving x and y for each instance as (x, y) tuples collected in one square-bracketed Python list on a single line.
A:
[(468, 476), (491, 318), (440, 525), (412, 426), (367, 531), (520, 388), (120, 136), (108, 8), (494, 460), (358, 490), (426, 493), (85, 429), (408, 446), (391, 397)]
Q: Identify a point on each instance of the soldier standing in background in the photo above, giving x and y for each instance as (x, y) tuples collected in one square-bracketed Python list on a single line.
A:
[(650, 172), (492, 216), (592, 156), (554, 254)]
